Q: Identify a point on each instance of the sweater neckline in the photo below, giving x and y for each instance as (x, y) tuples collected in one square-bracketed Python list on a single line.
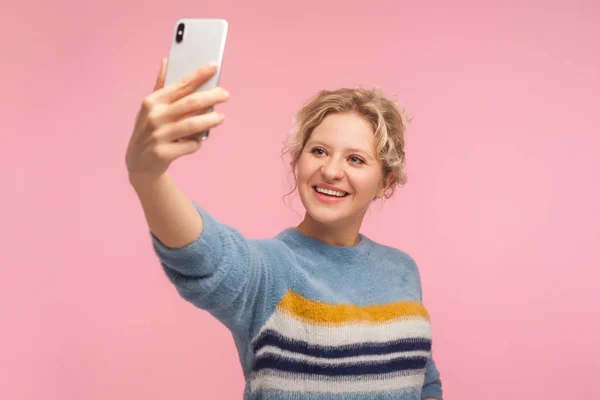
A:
[(307, 244)]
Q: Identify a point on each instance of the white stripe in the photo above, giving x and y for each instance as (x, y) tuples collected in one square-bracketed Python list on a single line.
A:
[(337, 361), (344, 384), (337, 379), (294, 328)]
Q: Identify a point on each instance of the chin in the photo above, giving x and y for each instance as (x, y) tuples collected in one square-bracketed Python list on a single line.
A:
[(323, 214), (325, 217)]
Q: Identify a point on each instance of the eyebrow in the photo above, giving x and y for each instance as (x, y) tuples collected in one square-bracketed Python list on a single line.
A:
[(352, 150)]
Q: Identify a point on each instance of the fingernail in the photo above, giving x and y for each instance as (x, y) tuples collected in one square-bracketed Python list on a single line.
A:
[(212, 64), (225, 93)]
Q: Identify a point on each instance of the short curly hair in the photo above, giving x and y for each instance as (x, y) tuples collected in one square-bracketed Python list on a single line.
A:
[(389, 122)]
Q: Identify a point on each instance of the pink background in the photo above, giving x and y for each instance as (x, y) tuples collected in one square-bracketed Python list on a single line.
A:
[(501, 209)]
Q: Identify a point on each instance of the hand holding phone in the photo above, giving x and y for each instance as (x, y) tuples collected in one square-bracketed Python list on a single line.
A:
[(178, 115), (168, 121)]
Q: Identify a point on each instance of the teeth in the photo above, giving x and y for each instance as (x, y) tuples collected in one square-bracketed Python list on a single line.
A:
[(330, 192)]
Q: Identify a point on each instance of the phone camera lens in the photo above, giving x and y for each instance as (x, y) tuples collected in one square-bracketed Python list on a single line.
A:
[(180, 30)]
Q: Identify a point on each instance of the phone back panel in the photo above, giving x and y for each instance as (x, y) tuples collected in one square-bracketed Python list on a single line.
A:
[(203, 41)]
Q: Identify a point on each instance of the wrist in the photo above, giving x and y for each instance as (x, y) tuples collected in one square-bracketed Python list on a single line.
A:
[(141, 182)]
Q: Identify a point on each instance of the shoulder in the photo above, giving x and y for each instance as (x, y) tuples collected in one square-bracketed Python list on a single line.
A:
[(399, 268), (394, 256), (272, 250)]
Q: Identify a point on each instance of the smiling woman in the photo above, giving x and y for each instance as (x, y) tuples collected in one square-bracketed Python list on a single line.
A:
[(348, 150), (319, 311)]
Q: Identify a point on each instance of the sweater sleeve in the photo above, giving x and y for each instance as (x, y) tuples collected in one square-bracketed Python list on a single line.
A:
[(432, 388), (219, 272)]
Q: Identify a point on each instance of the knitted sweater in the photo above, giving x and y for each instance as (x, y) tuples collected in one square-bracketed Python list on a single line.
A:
[(311, 320)]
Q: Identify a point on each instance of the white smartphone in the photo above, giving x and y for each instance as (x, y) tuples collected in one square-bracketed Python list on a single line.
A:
[(196, 41)]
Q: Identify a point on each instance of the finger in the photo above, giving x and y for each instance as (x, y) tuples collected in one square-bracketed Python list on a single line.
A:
[(160, 79), (184, 86), (199, 102), (191, 126)]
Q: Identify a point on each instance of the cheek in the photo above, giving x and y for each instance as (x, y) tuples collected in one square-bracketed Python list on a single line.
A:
[(303, 170), (365, 185)]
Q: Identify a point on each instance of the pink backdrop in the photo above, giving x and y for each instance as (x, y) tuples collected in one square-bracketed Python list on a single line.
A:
[(501, 210)]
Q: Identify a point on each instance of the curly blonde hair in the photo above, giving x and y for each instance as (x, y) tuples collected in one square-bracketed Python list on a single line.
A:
[(388, 120)]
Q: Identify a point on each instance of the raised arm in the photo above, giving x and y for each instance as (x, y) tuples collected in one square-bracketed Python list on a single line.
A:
[(163, 132), (212, 265)]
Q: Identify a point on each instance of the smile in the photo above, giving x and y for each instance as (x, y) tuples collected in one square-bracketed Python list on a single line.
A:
[(329, 192)]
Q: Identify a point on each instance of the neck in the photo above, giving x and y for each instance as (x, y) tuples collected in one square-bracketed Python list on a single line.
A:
[(342, 234)]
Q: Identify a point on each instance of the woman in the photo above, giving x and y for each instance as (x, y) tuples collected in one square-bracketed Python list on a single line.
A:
[(320, 311)]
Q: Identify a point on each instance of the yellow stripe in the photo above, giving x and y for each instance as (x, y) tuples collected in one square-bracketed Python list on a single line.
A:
[(314, 311)]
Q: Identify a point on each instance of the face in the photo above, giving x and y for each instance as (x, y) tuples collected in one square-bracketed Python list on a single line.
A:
[(339, 173)]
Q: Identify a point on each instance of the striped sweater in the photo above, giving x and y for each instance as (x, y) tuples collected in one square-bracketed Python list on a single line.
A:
[(311, 320)]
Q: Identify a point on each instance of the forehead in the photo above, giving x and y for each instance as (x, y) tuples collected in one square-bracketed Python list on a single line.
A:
[(346, 130)]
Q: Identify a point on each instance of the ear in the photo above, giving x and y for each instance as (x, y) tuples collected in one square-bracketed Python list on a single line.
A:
[(387, 182)]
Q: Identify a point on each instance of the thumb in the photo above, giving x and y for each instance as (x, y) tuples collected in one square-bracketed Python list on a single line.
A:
[(160, 79)]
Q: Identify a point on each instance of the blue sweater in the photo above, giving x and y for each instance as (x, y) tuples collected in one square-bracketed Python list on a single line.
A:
[(311, 320)]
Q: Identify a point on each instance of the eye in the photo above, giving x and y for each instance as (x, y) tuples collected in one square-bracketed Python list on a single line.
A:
[(356, 160), (318, 151)]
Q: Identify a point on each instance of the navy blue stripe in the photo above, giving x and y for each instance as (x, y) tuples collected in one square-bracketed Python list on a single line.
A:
[(276, 362), (272, 338)]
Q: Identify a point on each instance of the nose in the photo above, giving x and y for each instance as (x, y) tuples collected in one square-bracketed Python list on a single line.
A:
[(332, 170)]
